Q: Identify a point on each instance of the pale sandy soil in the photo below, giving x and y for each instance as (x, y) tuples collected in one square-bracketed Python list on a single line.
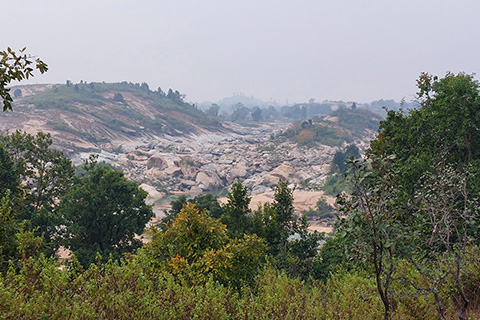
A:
[(302, 200), (320, 228)]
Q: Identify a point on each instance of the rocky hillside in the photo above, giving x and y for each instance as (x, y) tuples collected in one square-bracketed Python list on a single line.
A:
[(97, 116)]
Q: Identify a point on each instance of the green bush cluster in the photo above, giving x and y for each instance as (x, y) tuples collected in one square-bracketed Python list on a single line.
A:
[(135, 289)]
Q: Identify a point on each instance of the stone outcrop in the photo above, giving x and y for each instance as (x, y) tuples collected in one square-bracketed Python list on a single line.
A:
[(210, 162)]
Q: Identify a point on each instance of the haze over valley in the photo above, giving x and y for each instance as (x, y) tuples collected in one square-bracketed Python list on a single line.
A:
[(171, 147)]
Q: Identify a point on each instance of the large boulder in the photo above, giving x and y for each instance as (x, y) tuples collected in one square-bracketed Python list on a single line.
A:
[(187, 165), (208, 181), (282, 172), (156, 162), (239, 171)]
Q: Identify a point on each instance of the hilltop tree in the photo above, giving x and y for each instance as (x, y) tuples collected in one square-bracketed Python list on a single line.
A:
[(103, 212), (213, 110), (16, 67), (118, 97)]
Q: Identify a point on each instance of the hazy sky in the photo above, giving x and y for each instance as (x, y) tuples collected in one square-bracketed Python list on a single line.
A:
[(347, 50)]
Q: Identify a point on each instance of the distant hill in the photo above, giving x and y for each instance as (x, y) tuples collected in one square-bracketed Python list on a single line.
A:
[(87, 115), (340, 126)]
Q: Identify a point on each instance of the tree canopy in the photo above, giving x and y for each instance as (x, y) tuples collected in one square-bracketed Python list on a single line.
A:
[(103, 212)]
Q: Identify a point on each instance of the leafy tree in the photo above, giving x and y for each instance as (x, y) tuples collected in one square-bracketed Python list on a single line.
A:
[(335, 182), (195, 246), (17, 93), (16, 67), (209, 203), (240, 112), (339, 162), (175, 96), (445, 126), (290, 244), (206, 202), (237, 213), (213, 110), (256, 114), (103, 212), (322, 210), (9, 177), (47, 175), (8, 231), (160, 92), (118, 97)]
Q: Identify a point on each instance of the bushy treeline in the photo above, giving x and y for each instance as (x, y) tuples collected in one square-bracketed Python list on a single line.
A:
[(46, 205), (136, 289)]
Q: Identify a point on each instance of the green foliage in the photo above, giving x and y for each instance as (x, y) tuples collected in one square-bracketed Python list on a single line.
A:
[(339, 162), (47, 176), (196, 246), (357, 120), (63, 97), (444, 127), (118, 97), (163, 103), (134, 290), (203, 202), (8, 231), (17, 93), (9, 176), (339, 168), (322, 210), (316, 133), (335, 184), (237, 213), (103, 212), (16, 67), (112, 123), (290, 245)]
